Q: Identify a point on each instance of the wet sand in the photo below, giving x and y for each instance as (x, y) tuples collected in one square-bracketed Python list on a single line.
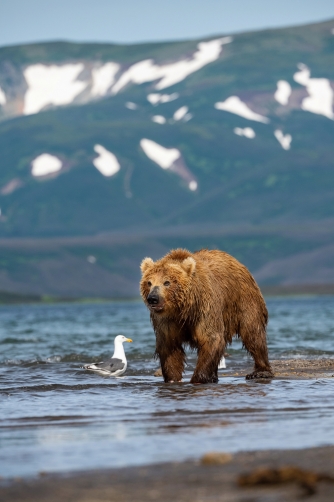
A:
[(284, 475), (286, 368), (294, 368)]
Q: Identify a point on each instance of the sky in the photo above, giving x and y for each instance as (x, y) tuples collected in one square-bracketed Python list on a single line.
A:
[(131, 21)]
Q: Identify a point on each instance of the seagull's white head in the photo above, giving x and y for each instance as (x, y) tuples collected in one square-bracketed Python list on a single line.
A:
[(122, 339)]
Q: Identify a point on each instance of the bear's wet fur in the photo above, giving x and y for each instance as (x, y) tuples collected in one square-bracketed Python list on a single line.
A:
[(203, 299)]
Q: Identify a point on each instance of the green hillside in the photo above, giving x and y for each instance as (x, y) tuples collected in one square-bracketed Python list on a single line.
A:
[(271, 207)]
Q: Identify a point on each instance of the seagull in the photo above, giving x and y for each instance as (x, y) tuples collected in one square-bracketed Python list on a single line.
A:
[(117, 364)]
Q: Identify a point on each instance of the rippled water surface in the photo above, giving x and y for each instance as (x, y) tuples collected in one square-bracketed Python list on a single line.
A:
[(55, 416)]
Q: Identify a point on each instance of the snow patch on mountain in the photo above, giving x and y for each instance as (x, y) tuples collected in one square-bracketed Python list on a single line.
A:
[(248, 132), (320, 98), (169, 158), (192, 185), (283, 92), (159, 119), (156, 98), (45, 164), (3, 99), (106, 162), (51, 85), (58, 85), (172, 73), (180, 113), (233, 104), (103, 78), (285, 141), (131, 106), (164, 157)]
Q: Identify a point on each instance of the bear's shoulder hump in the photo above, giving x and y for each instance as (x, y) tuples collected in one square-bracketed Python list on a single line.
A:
[(178, 255)]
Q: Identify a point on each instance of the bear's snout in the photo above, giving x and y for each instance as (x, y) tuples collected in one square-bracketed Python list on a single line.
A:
[(155, 300), (153, 297)]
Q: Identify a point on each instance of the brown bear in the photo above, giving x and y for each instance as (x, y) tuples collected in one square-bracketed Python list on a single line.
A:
[(203, 299)]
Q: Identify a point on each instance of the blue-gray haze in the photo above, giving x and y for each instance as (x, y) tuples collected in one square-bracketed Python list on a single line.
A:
[(24, 21)]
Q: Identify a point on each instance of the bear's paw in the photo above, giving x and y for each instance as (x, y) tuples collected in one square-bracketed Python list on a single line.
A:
[(260, 374)]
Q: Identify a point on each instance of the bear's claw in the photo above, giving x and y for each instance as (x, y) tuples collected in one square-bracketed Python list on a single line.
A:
[(260, 374), (203, 380)]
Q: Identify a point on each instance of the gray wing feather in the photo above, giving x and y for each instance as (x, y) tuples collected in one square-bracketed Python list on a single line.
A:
[(112, 364)]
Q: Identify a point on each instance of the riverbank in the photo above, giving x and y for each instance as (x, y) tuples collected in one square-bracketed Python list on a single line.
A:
[(275, 476), (293, 368), (283, 368)]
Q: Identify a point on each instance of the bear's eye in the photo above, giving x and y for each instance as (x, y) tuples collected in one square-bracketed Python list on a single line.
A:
[(149, 283), (166, 283)]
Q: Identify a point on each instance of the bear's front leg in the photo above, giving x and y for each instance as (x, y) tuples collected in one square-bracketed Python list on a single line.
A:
[(209, 355), (172, 363), (169, 348)]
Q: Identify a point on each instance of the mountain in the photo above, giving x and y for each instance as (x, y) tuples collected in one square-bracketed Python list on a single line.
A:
[(111, 152)]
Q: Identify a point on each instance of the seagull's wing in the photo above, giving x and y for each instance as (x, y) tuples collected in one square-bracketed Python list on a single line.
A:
[(115, 364), (111, 365)]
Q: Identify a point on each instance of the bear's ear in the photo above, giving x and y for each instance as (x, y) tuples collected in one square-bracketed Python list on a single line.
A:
[(189, 265), (145, 264)]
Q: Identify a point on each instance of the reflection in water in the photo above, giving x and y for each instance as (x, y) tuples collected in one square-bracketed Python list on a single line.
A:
[(55, 416)]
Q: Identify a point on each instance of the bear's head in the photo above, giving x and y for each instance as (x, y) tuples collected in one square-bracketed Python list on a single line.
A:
[(165, 284)]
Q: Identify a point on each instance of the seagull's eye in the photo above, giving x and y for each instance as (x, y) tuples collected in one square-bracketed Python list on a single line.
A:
[(149, 283), (166, 283)]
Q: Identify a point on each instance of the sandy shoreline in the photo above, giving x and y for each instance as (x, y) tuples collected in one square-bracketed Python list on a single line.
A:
[(294, 368), (284, 368), (191, 481)]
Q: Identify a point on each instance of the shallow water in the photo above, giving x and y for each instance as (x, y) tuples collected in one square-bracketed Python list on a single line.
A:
[(55, 416)]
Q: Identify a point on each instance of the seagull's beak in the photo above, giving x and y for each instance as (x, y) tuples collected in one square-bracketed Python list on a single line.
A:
[(128, 340)]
